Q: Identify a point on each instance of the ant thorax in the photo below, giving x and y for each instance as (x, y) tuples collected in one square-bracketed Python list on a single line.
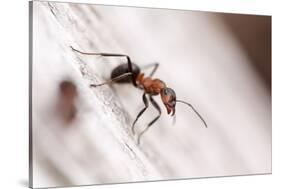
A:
[(149, 85)]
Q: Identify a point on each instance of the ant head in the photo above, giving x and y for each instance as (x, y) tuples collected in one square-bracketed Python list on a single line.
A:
[(168, 97)]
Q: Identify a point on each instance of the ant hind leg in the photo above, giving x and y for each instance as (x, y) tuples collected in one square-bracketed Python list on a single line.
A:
[(129, 62), (112, 80)]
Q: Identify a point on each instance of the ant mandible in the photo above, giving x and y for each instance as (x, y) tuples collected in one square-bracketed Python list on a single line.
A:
[(131, 73)]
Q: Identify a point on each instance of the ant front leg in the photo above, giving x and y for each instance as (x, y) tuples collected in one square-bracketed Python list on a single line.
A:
[(157, 107), (144, 99), (113, 55)]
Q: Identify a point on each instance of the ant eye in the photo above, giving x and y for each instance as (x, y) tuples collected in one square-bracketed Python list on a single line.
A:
[(169, 91), (165, 91)]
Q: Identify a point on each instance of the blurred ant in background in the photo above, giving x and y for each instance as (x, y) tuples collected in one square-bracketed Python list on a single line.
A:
[(131, 73), (66, 102)]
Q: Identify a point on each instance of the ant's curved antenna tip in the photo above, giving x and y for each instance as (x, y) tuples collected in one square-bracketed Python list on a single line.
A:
[(174, 119), (205, 124), (181, 101)]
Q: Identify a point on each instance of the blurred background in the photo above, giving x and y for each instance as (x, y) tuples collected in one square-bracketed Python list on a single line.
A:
[(220, 63)]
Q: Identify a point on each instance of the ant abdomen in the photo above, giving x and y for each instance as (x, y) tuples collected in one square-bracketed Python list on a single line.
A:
[(122, 69)]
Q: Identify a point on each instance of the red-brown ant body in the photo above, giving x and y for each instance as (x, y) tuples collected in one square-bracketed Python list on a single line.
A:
[(131, 73)]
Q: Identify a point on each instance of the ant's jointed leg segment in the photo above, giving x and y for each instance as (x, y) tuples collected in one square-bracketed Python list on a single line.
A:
[(112, 80), (112, 55), (157, 107), (141, 112)]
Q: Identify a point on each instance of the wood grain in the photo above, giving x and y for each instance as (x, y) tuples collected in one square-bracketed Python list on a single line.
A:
[(198, 58)]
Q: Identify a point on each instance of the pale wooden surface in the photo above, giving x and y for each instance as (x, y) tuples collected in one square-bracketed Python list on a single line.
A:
[(198, 58)]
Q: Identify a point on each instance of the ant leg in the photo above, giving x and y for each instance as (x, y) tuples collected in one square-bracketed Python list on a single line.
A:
[(141, 112), (154, 103), (112, 55), (112, 80), (155, 66)]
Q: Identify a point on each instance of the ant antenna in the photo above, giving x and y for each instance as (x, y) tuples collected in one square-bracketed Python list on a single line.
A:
[(194, 111), (174, 119)]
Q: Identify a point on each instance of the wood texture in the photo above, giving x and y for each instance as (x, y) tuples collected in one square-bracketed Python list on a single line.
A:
[(198, 58)]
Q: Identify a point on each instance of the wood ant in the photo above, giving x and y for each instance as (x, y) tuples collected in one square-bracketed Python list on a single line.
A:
[(131, 73)]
